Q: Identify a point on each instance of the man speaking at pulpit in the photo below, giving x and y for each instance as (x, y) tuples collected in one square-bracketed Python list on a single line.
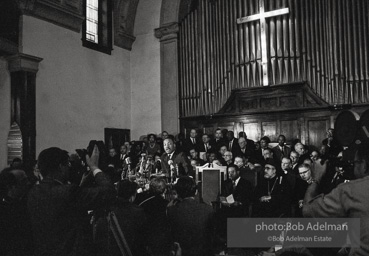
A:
[(173, 163)]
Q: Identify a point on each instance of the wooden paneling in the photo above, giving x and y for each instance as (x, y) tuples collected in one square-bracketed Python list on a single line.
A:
[(290, 129), (269, 129), (253, 131), (316, 130)]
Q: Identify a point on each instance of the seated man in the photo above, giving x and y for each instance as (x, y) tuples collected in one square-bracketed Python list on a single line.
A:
[(247, 170), (241, 191), (272, 194), (194, 155), (58, 209), (191, 221)]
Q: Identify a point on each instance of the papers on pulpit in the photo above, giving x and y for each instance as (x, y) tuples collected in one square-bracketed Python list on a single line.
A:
[(230, 199)]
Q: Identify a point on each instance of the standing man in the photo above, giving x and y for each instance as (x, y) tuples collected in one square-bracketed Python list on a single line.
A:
[(205, 146), (192, 141), (281, 150), (58, 209), (246, 150), (233, 143), (218, 140), (191, 222), (173, 162), (347, 200)]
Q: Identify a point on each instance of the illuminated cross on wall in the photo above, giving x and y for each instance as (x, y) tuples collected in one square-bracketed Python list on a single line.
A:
[(262, 16)]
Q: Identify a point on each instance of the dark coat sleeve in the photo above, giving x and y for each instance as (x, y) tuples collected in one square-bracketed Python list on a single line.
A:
[(91, 197)]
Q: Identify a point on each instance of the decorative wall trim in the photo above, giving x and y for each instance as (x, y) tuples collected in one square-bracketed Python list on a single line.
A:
[(167, 31), (65, 13), (124, 20), (292, 96), (23, 62)]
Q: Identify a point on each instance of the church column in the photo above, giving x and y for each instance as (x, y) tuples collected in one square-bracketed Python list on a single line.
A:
[(23, 69), (168, 35)]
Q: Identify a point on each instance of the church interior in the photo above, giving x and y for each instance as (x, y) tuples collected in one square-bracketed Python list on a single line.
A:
[(153, 78)]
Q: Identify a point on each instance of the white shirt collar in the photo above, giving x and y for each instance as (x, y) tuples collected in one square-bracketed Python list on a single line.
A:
[(236, 181)]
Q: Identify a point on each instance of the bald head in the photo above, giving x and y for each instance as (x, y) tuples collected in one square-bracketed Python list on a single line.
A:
[(242, 142)]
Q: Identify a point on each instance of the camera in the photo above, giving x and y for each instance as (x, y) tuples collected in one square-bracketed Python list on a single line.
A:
[(82, 153)]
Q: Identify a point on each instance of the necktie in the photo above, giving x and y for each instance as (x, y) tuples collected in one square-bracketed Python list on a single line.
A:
[(206, 148), (230, 145), (193, 141), (234, 184)]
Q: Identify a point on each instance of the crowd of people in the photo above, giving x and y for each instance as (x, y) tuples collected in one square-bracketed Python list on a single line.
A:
[(141, 199)]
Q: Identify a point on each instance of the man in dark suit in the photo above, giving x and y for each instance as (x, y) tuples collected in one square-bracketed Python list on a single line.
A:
[(157, 230), (172, 159), (113, 159), (57, 209), (233, 143), (206, 146), (246, 150), (191, 221), (241, 190), (131, 219), (281, 150), (192, 141), (333, 145), (218, 140)]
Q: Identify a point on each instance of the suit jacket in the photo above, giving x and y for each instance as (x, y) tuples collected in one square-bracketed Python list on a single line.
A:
[(218, 143), (241, 193), (249, 153), (189, 145), (114, 161), (211, 148), (235, 147), (157, 231), (279, 154), (180, 159), (131, 219), (192, 226), (348, 200)]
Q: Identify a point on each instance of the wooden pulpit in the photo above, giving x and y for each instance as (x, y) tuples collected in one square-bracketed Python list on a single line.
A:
[(209, 180)]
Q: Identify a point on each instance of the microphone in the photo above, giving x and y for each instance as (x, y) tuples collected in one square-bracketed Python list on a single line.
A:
[(172, 169), (171, 164)]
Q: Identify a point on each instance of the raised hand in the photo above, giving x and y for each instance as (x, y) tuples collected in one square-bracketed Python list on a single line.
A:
[(93, 160)]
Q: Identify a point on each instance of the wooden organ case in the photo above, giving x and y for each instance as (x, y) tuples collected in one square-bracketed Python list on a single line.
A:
[(270, 67)]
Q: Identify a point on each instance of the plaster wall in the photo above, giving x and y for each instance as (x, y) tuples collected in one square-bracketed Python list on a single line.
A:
[(145, 71), (79, 91)]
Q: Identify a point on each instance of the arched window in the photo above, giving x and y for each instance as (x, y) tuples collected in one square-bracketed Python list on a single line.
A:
[(97, 28)]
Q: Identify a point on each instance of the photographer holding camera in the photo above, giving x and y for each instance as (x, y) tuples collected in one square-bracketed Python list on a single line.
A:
[(58, 209), (347, 200)]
